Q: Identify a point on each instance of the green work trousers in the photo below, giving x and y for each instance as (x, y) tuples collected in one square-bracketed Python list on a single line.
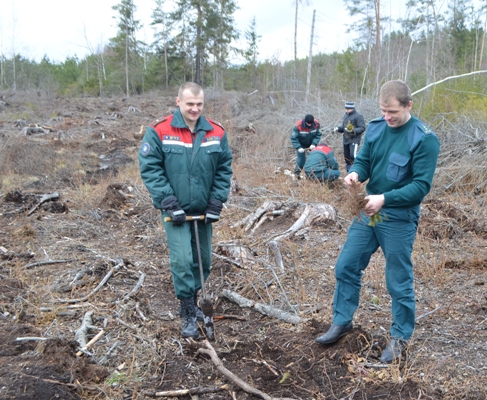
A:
[(183, 256), (395, 235)]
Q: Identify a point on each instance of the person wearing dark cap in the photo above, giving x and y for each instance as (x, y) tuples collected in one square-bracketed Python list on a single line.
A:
[(305, 135), (353, 127)]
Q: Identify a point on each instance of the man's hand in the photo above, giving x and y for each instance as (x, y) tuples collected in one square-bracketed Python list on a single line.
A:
[(349, 130), (213, 210), (174, 210), (300, 150), (340, 129), (312, 147), (374, 204), (351, 178)]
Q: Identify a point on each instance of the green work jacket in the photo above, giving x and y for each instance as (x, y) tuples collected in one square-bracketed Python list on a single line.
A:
[(193, 166)]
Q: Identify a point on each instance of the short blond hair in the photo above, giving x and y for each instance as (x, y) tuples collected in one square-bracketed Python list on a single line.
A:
[(192, 87), (398, 90)]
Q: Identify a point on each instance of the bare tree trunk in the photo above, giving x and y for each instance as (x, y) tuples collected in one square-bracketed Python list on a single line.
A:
[(308, 77), (127, 63), (377, 23), (483, 42), (295, 40), (165, 65)]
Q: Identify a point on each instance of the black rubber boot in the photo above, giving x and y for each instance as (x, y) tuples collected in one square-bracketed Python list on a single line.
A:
[(199, 314), (394, 351), (334, 333), (188, 314)]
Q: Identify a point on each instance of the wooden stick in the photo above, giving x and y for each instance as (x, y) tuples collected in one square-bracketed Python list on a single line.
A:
[(27, 338), (36, 264), (184, 392), (91, 342), (210, 351)]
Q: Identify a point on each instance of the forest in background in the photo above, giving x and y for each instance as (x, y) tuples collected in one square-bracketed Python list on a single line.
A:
[(194, 39)]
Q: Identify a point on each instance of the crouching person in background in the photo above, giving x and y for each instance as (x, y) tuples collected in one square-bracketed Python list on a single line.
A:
[(321, 164)]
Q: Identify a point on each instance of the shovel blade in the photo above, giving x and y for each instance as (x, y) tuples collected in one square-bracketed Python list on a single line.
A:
[(207, 309)]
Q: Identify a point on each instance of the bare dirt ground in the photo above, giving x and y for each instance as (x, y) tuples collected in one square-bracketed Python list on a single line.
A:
[(86, 251)]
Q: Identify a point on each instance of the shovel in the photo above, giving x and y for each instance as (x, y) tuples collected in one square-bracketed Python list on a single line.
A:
[(205, 304)]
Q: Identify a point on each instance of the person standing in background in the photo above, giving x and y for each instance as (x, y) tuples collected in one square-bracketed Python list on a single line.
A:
[(353, 127)]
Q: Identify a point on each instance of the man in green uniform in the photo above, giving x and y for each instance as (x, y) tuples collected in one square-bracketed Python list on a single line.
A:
[(305, 135), (321, 164), (398, 159), (185, 163)]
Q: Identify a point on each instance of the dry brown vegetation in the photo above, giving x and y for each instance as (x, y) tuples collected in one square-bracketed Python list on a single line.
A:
[(103, 233)]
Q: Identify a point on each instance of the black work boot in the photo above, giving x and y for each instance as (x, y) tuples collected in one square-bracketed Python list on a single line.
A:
[(199, 314), (188, 314), (334, 333), (394, 351)]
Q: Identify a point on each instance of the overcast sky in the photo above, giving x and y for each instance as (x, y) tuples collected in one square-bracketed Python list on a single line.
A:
[(65, 28)]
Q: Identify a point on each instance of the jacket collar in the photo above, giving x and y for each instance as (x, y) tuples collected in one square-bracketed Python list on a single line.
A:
[(201, 125)]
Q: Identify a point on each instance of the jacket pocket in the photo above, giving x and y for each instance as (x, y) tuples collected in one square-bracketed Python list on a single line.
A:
[(398, 167)]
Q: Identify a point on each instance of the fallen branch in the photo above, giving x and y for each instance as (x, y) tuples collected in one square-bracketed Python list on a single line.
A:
[(210, 351), (81, 333), (428, 313), (447, 79), (297, 225), (28, 338), (237, 264), (184, 392), (136, 287), (46, 197), (101, 284), (264, 309), (76, 386), (38, 263), (277, 254)]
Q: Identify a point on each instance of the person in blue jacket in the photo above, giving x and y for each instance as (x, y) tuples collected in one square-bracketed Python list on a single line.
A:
[(321, 164), (185, 163), (305, 135), (398, 162)]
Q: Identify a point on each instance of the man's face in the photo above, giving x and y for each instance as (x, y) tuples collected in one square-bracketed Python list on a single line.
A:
[(191, 106), (394, 113), (349, 110)]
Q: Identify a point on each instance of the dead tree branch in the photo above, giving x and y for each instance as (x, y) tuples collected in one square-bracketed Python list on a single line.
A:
[(264, 309), (101, 284), (46, 197), (184, 392), (210, 351), (447, 79), (38, 263)]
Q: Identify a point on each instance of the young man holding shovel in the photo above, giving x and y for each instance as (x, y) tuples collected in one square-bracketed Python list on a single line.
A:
[(185, 163)]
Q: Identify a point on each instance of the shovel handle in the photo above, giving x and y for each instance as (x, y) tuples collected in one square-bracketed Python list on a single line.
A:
[(188, 218)]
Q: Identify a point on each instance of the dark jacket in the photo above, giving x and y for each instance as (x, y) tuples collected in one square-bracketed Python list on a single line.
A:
[(304, 136), (193, 167), (358, 122)]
